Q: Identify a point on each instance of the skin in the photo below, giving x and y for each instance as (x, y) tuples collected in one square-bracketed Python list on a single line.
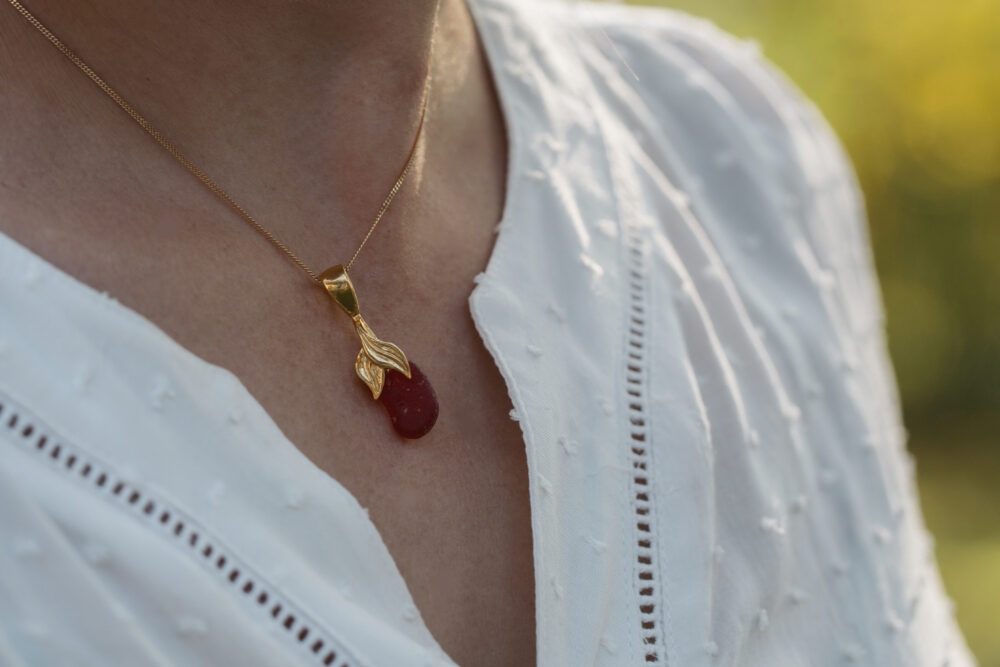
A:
[(304, 112)]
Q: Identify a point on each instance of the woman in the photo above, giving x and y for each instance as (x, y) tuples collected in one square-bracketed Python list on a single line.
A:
[(667, 432)]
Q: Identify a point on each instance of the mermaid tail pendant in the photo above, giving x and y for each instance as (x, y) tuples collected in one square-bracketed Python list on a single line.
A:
[(399, 385), (376, 356)]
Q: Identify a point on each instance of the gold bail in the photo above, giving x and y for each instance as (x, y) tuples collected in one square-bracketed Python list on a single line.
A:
[(339, 285)]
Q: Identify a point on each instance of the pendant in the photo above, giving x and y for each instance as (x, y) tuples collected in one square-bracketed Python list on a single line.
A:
[(394, 381)]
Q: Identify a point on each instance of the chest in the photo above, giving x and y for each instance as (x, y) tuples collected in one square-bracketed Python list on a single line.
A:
[(452, 507)]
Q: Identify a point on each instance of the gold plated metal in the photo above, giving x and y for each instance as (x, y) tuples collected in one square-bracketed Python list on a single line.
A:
[(376, 356), (339, 285)]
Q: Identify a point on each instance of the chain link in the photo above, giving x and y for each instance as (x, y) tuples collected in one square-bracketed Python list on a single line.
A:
[(212, 185)]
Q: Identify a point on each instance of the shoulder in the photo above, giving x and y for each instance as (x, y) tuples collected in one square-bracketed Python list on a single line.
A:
[(676, 77), (673, 61), (686, 105), (729, 128)]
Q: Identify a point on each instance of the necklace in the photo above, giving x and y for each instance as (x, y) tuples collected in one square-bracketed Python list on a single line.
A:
[(393, 380)]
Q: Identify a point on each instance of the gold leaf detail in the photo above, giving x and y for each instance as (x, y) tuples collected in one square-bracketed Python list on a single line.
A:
[(380, 352), (370, 373)]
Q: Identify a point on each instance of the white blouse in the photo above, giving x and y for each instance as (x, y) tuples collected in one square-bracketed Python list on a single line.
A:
[(681, 300)]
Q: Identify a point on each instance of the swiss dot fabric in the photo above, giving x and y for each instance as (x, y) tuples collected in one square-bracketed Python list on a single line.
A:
[(682, 302)]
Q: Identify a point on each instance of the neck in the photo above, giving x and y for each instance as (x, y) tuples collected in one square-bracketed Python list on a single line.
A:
[(316, 101)]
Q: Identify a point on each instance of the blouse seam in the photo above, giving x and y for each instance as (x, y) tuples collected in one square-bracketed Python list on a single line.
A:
[(27, 429), (654, 645)]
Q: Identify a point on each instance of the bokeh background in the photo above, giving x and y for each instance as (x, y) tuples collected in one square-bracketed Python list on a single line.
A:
[(912, 87)]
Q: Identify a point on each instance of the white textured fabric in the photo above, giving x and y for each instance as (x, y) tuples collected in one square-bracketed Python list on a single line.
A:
[(718, 469)]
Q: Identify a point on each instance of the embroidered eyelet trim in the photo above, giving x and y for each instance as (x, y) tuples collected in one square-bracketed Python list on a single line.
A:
[(646, 577), (28, 432)]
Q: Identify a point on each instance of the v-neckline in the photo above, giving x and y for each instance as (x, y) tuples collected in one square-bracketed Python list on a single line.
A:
[(494, 55)]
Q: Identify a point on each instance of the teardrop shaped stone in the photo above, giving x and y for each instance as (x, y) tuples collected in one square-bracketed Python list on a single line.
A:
[(411, 402)]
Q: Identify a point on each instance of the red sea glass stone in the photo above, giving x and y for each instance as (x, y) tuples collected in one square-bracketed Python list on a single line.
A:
[(411, 402)]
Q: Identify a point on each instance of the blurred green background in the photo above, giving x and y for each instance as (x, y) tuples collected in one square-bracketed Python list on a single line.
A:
[(912, 88)]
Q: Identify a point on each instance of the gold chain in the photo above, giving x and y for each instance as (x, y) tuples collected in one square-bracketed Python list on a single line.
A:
[(170, 148)]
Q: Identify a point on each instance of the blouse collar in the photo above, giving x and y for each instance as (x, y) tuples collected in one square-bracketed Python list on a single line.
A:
[(548, 309)]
